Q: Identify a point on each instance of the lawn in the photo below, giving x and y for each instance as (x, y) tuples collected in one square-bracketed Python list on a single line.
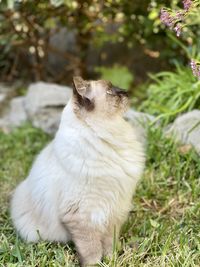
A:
[(163, 228)]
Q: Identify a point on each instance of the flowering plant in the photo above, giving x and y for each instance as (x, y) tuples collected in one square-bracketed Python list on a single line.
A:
[(177, 20)]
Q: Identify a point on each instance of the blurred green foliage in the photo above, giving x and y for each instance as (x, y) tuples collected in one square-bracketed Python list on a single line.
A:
[(27, 26), (118, 75)]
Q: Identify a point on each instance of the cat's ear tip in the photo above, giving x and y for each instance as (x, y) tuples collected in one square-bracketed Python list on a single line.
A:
[(77, 79)]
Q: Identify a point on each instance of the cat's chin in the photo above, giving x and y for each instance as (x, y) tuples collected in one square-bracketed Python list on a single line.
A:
[(125, 104)]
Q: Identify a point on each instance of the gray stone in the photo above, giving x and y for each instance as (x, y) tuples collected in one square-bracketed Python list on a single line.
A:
[(7, 91), (44, 103), (140, 121), (186, 129), (17, 115), (4, 125), (2, 97)]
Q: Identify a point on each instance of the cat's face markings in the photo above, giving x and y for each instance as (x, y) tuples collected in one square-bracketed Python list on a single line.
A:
[(100, 97), (116, 91)]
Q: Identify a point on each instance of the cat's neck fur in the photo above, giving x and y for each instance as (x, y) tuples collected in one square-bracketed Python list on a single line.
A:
[(99, 125)]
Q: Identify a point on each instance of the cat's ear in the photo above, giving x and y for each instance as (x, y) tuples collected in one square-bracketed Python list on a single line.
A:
[(82, 93), (81, 86)]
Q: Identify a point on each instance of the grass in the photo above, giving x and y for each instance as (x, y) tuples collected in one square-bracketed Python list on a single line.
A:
[(163, 228), (171, 93)]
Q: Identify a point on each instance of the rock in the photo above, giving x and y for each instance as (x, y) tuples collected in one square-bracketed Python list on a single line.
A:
[(44, 103), (17, 115), (2, 97), (140, 122), (186, 129), (5, 93), (4, 125)]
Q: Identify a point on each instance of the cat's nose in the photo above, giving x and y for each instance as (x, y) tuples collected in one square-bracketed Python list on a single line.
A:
[(119, 91)]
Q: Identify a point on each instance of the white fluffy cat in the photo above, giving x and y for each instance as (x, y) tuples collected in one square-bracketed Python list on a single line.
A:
[(81, 185)]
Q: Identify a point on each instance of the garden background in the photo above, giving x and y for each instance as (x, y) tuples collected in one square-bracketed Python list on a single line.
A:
[(150, 48)]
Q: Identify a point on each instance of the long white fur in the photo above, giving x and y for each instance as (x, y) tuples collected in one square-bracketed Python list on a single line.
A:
[(91, 166)]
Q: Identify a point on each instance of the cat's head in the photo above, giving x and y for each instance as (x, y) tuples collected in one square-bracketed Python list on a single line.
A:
[(98, 97)]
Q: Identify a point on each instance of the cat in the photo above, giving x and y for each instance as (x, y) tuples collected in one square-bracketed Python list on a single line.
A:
[(80, 186)]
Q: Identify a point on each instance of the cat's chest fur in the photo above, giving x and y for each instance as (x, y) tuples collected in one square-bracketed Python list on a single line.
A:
[(92, 158), (100, 170)]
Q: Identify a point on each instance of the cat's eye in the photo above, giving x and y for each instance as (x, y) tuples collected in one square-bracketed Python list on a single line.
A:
[(109, 92)]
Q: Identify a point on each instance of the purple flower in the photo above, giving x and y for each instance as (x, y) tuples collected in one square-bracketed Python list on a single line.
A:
[(177, 29), (166, 18), (173, 21), (195, 68), (187, 4), (180, 14)]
